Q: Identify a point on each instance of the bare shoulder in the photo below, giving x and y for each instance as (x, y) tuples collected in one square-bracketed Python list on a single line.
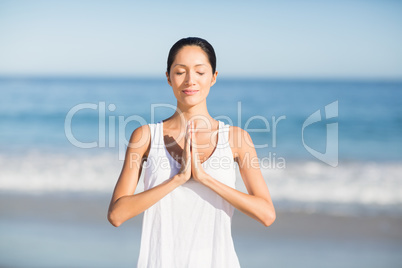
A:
[(140, 139), (237, 136), (240, 141)]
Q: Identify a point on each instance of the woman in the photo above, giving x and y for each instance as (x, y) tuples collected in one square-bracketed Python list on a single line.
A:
[(189, 175)]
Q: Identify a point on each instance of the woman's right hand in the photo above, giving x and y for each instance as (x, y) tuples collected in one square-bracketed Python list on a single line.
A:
[(185, 170)]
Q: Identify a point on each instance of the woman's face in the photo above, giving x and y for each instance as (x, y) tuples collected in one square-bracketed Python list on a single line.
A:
[(191, 76)]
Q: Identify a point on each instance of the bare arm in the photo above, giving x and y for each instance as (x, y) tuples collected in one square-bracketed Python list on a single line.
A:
[(125, 204), (257, 203)]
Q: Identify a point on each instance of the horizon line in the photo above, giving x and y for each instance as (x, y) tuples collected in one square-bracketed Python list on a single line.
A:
[(227, 77)]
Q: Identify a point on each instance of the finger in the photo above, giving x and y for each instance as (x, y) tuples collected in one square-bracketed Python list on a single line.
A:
[(185, 159), (188, 139), (193, 140), (193, 147), (186, 136), (188, 143), (188, 148), (195, 157), (191, 134)]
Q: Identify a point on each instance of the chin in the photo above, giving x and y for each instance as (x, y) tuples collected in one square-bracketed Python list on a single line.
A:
[(191, 102)]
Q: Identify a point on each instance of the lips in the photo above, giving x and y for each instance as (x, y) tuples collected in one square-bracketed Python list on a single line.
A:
[(190, 91)]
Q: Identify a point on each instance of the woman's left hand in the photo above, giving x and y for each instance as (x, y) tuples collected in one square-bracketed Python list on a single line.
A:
[(197, 171)]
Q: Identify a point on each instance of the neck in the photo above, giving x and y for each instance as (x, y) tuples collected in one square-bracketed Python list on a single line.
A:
[(198, 114)]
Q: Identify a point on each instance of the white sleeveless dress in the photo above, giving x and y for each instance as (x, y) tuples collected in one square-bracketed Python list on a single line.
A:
[(191, 226)]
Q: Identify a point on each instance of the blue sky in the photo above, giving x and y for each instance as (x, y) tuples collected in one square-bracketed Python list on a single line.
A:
[(276, 39)]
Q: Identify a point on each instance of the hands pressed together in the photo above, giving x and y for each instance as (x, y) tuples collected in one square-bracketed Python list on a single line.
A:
[(257, 203), (191, 163)]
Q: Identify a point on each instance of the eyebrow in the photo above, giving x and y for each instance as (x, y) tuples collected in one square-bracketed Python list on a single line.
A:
[(186, 65)]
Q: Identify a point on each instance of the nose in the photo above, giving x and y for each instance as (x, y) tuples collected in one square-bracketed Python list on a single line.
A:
[(189, 79)]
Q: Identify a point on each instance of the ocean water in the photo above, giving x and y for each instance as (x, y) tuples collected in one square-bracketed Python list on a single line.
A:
[(328, 146), (330, 152)]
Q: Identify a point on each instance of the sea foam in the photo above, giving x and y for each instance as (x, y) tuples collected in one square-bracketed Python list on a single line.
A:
[(302, 184)]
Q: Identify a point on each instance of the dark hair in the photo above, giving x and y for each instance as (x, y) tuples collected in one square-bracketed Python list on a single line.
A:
[(192, 41)]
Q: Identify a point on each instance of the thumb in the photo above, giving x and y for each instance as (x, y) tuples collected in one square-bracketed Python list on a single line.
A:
[(188, 138), (194, 152)]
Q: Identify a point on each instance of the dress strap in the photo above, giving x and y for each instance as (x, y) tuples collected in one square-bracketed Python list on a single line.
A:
[(159, 135), (152, 132), (155, 129), (224, 132)]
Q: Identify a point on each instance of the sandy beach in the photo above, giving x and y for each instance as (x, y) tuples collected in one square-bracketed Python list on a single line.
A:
[(71, 230), (317, 86)]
